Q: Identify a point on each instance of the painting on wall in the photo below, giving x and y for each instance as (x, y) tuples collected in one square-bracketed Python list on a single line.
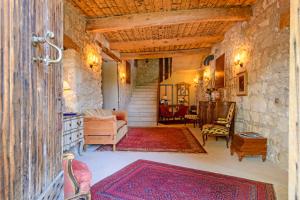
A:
[(242, 84)]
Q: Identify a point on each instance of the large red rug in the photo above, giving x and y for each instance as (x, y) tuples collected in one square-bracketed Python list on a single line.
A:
[(145, 180), (158, 139)]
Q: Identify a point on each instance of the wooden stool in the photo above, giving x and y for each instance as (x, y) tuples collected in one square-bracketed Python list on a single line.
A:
[(249, 144)]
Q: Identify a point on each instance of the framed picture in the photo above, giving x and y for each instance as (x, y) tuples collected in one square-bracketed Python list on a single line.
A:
[(242, 84)]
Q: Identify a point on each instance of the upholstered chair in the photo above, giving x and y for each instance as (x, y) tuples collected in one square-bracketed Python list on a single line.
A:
[(77, 179), (164, 112), (221, 128)]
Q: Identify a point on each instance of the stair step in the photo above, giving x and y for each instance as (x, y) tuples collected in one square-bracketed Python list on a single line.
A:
[(143, 98), (145, 95), (142, 118), (142, 124), (143, 102), (145, 89), (144, 110), (142, 106), (154, 87)]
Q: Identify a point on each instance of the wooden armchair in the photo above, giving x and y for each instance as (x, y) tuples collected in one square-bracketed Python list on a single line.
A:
[(221, 128)]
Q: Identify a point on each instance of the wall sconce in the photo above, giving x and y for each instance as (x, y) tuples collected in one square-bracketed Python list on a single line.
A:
[(238, 61), (93, 60), (206, 75), (66, 86), (123, 77)]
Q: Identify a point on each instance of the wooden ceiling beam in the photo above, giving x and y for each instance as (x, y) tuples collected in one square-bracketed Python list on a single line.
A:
[(108, 52), (116, 23), (164, 54), (141, 44)]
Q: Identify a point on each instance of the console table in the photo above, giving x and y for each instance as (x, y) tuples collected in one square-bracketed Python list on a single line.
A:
[(73, 132)]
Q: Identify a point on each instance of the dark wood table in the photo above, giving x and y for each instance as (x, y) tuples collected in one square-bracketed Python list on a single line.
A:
[(249, 144)]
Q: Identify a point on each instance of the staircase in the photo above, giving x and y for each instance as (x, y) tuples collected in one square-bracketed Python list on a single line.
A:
[(142, 109)]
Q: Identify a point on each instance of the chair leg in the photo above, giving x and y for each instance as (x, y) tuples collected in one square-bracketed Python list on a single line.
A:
[(216, 138), (114, 147), (227, 141), (203, 139)]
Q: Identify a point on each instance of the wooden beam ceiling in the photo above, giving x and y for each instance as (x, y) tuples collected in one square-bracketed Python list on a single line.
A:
[(141, 44), (165, 54), (117, 23)]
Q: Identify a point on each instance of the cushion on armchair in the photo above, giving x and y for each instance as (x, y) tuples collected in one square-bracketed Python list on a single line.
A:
[(82, 175), (120, 124), (99, 113)]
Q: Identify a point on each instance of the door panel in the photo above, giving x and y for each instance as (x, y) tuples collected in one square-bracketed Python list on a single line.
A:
[(30, 101)]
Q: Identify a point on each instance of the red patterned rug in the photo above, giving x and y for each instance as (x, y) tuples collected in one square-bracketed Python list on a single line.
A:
[(158, 139), (147, 180)]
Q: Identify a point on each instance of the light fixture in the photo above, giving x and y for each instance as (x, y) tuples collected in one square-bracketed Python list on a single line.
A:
[(238, 60), (123, 76), (206, 75), (66, 86), (196, 80), (93, 60)]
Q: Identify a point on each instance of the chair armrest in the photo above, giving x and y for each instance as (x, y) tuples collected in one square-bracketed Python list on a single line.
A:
[(121, 115), (86, 196)]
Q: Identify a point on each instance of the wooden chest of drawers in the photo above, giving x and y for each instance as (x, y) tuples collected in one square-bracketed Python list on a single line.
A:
[(73, 132)]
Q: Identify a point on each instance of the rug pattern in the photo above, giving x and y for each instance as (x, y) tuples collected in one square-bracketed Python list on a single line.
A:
[(158, 139), (147, 180)]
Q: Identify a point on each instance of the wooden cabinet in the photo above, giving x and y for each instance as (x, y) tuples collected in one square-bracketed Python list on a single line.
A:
[(73, 132), (209, 111)]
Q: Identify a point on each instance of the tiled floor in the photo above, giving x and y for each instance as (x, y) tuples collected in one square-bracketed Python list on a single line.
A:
[(218, 159)]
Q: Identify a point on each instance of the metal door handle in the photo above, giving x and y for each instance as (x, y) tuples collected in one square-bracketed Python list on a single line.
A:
[(47, 60)]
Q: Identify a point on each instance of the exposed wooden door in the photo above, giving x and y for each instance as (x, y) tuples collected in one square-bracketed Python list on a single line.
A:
[(30, 101)]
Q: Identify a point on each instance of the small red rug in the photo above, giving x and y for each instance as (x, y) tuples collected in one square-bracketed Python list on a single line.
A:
[(147, 180), (158, 139)]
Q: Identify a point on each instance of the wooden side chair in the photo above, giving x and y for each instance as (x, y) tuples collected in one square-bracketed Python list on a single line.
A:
[(77, 179), (221, 129)]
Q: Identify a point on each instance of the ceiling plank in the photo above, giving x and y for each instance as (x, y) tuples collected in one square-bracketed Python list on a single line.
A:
[(141, 44), (117, 23), (164, 54)]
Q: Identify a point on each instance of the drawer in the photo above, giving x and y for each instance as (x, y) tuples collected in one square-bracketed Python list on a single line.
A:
[(67, 125), (68, 139), (80, 122)]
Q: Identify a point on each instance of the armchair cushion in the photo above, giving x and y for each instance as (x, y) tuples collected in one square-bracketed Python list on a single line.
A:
[(77, 180), (83, 175), (210, 129), (120, 124), (99, 113)]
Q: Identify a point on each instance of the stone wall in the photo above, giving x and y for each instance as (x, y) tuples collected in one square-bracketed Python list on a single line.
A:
[(85, 84), (266, 57), (125, 89), (147, 71), (85, 81)]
